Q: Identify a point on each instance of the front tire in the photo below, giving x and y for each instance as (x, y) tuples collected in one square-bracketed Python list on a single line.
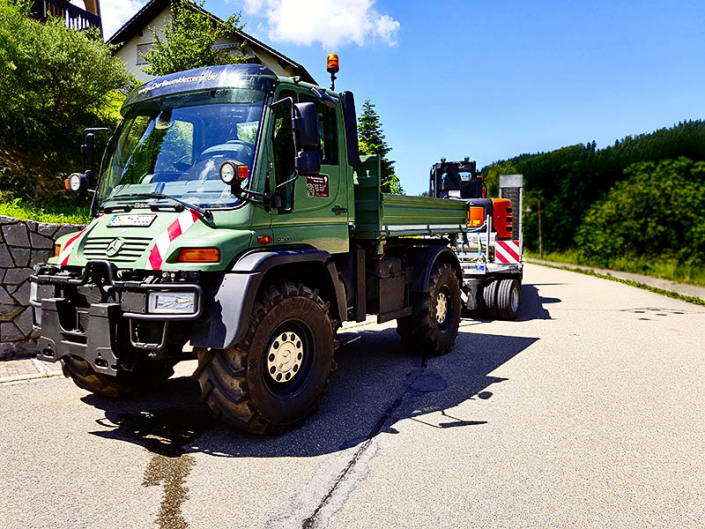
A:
[(125, 384), (274, 378), (433, 326)]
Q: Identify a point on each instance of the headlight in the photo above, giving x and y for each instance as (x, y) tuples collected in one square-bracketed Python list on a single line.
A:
[(172, 302), (232, 170), (228, 173), (33, 291), (77, 182)]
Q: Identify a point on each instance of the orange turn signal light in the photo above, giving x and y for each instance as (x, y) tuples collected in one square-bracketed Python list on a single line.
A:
[(57, 250), (199, 255), (332, 65), (476, 216), (66, 184), (243, 172), (264, 239)]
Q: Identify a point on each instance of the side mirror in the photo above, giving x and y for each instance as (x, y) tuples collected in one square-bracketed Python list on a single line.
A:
[(87, 148), (308, 163), (305, 125)]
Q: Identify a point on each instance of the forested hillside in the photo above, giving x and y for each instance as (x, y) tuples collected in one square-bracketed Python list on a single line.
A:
[(640, 200)]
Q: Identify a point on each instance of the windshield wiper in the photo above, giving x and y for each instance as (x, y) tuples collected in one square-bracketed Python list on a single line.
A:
[(206, 213)]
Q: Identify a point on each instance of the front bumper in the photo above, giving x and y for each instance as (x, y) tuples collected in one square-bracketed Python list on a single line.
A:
[(106, 322)]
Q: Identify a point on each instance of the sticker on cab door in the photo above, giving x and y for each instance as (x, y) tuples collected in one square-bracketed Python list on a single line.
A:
[(317, 185)]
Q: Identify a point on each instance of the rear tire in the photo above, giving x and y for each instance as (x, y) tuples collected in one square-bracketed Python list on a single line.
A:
[(508, 299), (433, 326), (125, 384), (274, 378)]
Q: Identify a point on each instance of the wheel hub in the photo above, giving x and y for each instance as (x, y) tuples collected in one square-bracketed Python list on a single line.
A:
[(441, 307), (285, 357)]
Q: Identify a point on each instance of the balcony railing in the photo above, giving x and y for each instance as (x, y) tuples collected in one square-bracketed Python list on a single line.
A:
[(74, 17)]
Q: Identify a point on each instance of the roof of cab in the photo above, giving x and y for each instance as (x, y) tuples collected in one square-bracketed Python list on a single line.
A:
[(208, 78)]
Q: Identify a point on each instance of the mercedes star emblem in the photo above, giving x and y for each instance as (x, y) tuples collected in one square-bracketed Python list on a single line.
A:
[(114, 247)]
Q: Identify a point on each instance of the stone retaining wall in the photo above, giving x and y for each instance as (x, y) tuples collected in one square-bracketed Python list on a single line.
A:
[(23, 244)]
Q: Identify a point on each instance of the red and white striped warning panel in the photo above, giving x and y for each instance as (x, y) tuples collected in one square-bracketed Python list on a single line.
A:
[(175, 230), (507, 252), (69, 246)]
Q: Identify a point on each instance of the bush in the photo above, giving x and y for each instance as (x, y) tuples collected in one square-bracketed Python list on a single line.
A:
[(657, 213), (53, 80)]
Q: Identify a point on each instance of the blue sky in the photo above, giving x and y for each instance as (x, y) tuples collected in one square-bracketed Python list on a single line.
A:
[(491, 79)]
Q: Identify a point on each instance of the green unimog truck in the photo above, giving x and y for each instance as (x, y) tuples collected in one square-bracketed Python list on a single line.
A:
[(234, 213)]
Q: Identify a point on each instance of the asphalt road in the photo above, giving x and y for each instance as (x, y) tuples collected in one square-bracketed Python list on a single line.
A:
[(588, 412)]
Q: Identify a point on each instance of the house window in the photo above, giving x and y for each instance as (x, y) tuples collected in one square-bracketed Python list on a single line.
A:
[(142, 49)]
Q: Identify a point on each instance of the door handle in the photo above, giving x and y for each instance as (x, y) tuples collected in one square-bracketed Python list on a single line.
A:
[(338, 210)]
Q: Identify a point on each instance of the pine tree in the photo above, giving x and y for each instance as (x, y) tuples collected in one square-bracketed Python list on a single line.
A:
[(371, 140)]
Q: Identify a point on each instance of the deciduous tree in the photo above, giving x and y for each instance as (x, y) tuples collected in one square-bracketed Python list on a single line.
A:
[(189, 40)]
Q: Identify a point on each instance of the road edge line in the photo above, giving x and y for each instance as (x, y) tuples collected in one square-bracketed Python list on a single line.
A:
[(656, 290)]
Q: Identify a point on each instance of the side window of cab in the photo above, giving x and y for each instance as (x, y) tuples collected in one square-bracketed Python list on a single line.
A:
[(327, 129), (284, 150)]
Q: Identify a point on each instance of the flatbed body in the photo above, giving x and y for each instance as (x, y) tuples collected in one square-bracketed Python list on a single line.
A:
[(380, 215)]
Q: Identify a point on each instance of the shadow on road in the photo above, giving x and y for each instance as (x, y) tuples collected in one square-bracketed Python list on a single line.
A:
[(376, 385), (532, 304)]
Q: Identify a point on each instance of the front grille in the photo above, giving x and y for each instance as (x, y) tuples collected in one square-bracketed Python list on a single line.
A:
[(132, 248)]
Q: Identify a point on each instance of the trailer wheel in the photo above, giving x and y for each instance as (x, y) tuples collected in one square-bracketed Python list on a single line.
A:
[(274, 378), (125, 384), (489, 299), (508, 299), (433, 326)]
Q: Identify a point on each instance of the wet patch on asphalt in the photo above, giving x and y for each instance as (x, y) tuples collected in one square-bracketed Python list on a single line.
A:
[(427, 383), (656, 310), (166, 433)]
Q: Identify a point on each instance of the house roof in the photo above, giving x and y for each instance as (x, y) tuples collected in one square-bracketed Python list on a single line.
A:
[(152, 8)]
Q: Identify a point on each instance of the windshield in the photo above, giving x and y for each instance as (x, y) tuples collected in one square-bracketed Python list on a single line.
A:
[(176, 146), (452, 176)]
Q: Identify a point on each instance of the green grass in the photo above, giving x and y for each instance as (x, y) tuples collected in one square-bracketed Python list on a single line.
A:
[(52, 214), (675, 295), (663, 267)]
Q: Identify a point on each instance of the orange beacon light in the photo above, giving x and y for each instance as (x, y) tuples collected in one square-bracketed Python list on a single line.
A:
[(333, 66)]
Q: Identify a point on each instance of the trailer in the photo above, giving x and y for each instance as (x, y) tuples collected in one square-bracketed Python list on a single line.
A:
[(490, 250)]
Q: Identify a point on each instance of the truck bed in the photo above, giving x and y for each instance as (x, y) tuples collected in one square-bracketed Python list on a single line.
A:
[(379, 215)]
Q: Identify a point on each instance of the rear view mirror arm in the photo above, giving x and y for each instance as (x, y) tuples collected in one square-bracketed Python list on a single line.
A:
[(294, 179)]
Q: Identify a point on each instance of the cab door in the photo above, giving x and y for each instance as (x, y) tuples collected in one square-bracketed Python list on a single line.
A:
[(317, 214)]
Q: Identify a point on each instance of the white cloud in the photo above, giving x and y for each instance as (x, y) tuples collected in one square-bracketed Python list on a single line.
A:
[(116, 12), (253, 7), (330, 22)]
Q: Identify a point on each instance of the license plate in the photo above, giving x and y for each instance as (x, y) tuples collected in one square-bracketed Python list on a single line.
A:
[(141, 221)]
